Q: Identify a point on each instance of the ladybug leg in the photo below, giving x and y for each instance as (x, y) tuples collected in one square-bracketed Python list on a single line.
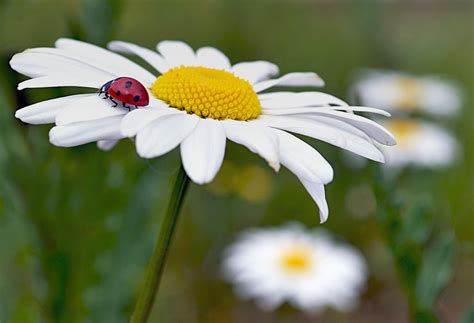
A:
[(126, 106), (115, 102)]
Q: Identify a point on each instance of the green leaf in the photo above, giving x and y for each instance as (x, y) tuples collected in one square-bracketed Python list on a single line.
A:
[(100, 19), (435, 270), (417, 224)]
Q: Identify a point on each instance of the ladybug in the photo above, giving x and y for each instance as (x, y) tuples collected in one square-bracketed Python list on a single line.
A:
[(126, 90)]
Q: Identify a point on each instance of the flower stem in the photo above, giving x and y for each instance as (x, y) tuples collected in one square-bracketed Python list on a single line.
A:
[(156, 265)]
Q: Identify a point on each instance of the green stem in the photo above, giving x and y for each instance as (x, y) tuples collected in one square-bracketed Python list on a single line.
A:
[(151, 284), (404, 253)]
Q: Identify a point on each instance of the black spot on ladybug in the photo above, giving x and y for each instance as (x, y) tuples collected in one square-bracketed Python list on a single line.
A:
[(128, 84), (118, 93), (136, 98)]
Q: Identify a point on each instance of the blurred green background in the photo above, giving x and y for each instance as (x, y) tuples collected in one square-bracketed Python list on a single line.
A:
[(77, 225)]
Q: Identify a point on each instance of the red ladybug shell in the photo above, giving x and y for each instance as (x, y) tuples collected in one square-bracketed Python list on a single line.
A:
[(129, 90)]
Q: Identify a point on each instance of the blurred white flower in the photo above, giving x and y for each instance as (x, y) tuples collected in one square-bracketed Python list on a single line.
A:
[(308, 269), (421, 144), (198, 102), (397, 91)]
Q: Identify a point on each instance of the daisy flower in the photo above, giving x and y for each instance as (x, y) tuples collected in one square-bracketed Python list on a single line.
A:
[(198, 100), (289, 264), (397, 91), (420, 143)]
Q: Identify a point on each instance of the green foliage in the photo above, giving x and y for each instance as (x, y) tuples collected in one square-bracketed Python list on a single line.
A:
[(99, 19), (423, 253), (468, 316), (436, 269)]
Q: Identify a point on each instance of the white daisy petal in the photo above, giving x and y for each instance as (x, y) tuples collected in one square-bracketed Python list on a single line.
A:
[(39, 62), (303, 160), (151, 57), (105, 59), (341, 125), (291, 79), (255, 71), (164, 134), (369, 127), (352, 109), (285, 100), (308, 110), (90, 107), (46, 111), (106, 145), (316, 190), (140, 118), (51, 67), (80, 133), (61, 80), (212, 58), (315, 129), (257, 139), (176, 53), (202, 152)]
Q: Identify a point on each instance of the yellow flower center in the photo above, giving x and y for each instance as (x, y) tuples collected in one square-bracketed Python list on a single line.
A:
[(296, 260), (403, 130), (410, 91), (208, 93)]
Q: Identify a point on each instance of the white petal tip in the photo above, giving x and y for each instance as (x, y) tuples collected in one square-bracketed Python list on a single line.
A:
[(323, 218), (18, 115), (145, 155), (114, 45), (199, 181), (275, 165), (392, 142), (56, 137), (53, 138)]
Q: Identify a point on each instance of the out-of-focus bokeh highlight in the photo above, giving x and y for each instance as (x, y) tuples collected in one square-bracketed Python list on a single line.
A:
[(77, 225)]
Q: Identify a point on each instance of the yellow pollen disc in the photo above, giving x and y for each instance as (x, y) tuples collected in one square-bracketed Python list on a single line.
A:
[(208, 93), (296, 260), (403, 130), (410, 91)]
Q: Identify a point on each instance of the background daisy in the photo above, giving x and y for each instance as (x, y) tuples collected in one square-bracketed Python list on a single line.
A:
[(421, 144), (403, 92), (289, 264)]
